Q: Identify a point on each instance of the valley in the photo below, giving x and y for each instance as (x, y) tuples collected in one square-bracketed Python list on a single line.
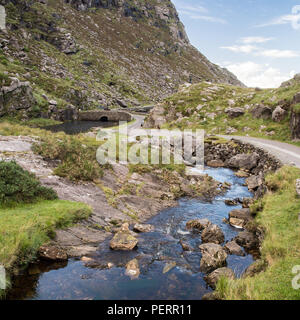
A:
[(72, 228)]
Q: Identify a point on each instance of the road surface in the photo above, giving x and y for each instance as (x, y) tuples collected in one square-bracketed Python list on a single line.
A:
[(286, 153)]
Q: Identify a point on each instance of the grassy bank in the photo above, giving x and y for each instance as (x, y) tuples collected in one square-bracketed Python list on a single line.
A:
[(280, 248), (204, 105), (24, 228)]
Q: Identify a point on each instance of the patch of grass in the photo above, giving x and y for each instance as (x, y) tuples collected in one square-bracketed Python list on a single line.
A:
[(280, 248), (23, 229), (203, 106), (20, 186)]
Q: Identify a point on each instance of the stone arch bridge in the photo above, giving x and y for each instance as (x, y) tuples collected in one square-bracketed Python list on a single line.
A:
[(105, 116)]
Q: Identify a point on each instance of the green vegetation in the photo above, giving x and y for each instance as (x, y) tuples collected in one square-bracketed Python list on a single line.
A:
[(20, 186), (278, 215), (203, 106), (78, 160), (26, 227)]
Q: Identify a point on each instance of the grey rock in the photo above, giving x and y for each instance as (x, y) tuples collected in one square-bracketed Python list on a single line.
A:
[(213, 234), (213, 278), (213, 257), (261, 111), (244, 161), (278, 114), (234, 112), (233, 248)]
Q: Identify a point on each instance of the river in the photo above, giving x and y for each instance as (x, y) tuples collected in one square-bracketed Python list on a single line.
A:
[(76, 280)]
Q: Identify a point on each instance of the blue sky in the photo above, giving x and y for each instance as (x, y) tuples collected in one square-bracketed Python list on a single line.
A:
[(258, 40)]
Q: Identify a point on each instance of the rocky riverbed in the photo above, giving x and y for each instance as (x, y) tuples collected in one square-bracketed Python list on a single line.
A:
[(179, 254)]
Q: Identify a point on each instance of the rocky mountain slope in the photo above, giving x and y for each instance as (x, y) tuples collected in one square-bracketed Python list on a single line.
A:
[(66, 54), (224, 109)]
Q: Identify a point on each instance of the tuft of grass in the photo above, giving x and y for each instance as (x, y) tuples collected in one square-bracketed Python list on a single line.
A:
[(281, 247)]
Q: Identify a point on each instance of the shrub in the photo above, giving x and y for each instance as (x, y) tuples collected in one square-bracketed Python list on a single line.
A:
[(78, 161), (20, 186)]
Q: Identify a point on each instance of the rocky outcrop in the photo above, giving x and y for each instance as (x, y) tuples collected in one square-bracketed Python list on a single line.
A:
[(52, 253), (213, 278), (213, 257), (16, 96)]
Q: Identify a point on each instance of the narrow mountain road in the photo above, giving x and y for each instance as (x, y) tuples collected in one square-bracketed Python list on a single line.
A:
[(286, 153)]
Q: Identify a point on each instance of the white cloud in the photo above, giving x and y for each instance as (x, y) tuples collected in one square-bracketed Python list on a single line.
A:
[(293, 19), (242, 49), (258, 75), (274, 53), (269, 53), (249, 40)]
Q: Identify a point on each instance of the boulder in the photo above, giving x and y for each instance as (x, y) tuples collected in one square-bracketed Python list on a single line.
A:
[(244, 161), (234, 112), (123, 240), (185, 246), (261, 111), (295, 123), (233, 248), (296, 98), (211, 296), (242, 174), (199, 224), (247, 240), (52, 253), (132, 269), (240, 217), (278, 114), (143, 228), (231, 202), (246, 203), (213, 234), (215, 163), (213, 257), (16, 96), (254, 182), (213, 278), (298, 187), (255, 268)]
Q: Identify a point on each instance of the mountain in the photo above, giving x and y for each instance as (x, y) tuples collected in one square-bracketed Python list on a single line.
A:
[(79, 54)]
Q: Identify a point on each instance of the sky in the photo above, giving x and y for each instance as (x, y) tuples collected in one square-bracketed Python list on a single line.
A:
[(257, 40)]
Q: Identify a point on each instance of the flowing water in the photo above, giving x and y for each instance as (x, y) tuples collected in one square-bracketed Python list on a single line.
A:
[(75, 127), (156, 250)]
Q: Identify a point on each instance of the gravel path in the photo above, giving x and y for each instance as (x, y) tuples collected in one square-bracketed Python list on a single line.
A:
[(286, 153)]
